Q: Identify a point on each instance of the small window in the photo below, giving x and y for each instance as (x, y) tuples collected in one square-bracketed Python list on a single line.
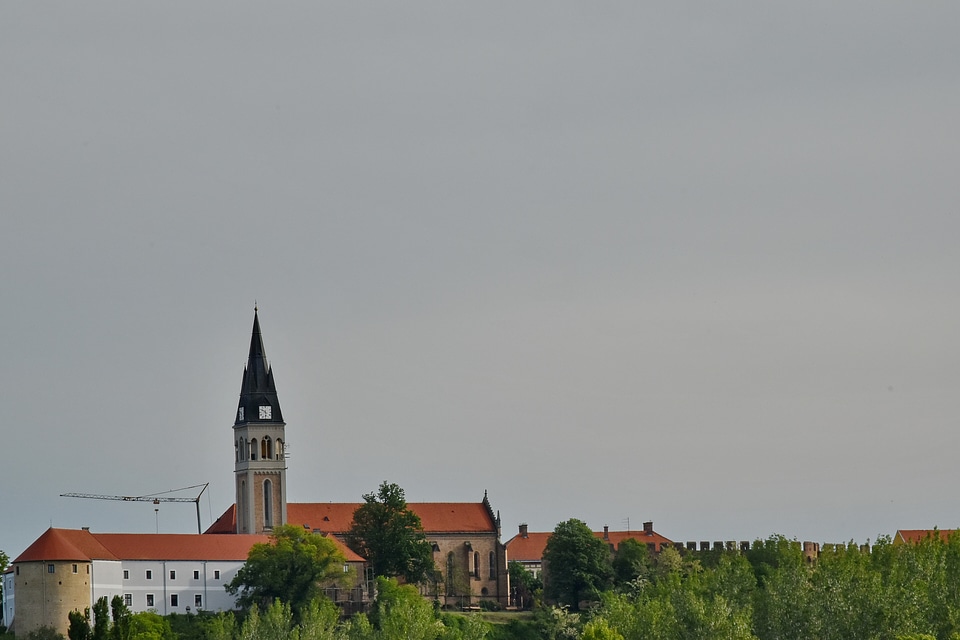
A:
[(75, 568), (50, 568), (216, 574), (196, 575), (198, 600), (88, 569), (173, 574), (149, 599), (128, 599), (126, 574), (149, 574), (174, 600), (18, 571)]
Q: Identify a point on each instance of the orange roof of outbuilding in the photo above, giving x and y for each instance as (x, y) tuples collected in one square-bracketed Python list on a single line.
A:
[(530, 548), (917, 535)]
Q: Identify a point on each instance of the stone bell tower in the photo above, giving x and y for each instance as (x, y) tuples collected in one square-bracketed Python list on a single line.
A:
[(258, 434)]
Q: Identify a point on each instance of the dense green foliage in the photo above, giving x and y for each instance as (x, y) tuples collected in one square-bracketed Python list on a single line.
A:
[(390, 536), (294, 568), (772, 592), (399, 613), (578, 564), (525, 586)]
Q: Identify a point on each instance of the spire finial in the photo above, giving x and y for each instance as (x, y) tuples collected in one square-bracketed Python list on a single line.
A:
[(255, 306)]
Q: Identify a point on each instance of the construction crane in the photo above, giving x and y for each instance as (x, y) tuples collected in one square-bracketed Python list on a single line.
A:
[(155, 498)]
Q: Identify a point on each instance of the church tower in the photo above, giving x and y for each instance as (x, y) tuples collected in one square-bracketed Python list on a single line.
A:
[(260, 468)]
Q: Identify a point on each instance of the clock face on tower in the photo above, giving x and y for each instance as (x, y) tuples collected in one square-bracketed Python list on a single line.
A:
[(266, 412), (240, 415)]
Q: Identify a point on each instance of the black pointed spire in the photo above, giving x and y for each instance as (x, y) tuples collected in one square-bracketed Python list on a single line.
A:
[(258, 393)]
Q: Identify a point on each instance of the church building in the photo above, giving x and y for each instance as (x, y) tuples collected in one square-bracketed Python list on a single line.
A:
[(465, 536)]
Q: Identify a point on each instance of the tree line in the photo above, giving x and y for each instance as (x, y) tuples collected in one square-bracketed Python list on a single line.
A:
[(771, 592)]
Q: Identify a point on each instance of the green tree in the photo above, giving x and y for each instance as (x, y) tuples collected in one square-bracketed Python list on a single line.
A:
[(101, 619), (577, 564), (390, 536), (220, 626), (275, 623), (148, 625), (120, 629), (401, 612), (79, 625), (631, 561), (318, 621), (524, 584), (44, 633), (599, 629), (293, 568)]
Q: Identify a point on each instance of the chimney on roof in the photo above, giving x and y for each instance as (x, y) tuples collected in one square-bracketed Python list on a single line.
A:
[(85, 528), (648, 528), (523, 530), (606, 532)]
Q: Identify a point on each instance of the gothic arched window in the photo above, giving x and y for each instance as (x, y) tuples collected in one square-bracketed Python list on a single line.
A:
[(267, 503)]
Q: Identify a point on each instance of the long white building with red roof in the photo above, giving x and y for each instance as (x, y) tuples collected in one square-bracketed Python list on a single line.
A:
[(69, 569)]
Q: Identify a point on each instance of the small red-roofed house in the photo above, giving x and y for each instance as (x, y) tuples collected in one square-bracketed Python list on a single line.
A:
[(527, 547), (915, 536)]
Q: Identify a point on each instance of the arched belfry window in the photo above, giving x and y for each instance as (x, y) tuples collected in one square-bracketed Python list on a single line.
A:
[(244, 506), (267, 503), (253, 449), (236, 450), (279, 449)]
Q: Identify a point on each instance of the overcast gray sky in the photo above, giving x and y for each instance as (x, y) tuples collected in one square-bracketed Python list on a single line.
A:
[(693, 263)]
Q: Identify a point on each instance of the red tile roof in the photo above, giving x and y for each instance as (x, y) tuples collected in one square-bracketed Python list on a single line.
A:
[(531, 547), (72, 544), (227, 523), (179, 546), (916, 535), (643, 537), (65, 544), (336, 517)]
